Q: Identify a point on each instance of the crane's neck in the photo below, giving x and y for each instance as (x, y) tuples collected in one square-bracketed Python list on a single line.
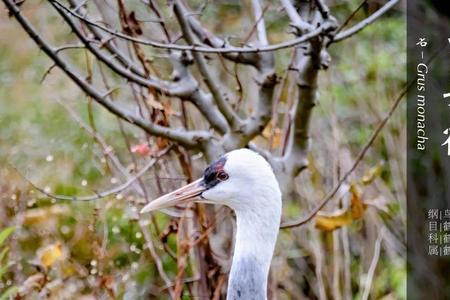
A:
[(256, 235)]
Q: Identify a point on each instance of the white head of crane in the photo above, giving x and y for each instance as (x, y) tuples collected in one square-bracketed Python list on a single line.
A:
[(244, 181)]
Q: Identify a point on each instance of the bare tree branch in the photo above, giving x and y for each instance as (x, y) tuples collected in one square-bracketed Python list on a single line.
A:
[(260, 24), (360, 155), (99, 195), (179, 89), (66, 47), (373, 265), (361, 5), (266, 80), (358, 159), (219, 96), (296, 20), (364, 23), (212, 40), (156, 258), (107, 149), (309, 62), (107, 41), (194, 48), (186, 138), (186, 87), (323, 9)]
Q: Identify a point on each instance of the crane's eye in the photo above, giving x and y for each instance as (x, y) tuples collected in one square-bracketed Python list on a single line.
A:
[(222, 176)]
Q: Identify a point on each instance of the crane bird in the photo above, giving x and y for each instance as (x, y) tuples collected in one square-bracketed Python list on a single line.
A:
[(244, 181)]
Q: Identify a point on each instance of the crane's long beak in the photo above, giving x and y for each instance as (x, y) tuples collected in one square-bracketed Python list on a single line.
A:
[(181, 195)]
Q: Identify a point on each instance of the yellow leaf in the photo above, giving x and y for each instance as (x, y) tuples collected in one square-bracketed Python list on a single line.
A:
[(332, 221), (267, 130), (48, 255), (373, 173), (273, 134)]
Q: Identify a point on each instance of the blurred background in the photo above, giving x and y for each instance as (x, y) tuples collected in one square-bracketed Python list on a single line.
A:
[(52, 134)]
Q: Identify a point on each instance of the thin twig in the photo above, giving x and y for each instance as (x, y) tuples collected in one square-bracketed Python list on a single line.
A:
[(186, 138), (364, 23), (162, 86), (66, 47), (107, 149), (99, 195), (260, 25), (194, 48), (297, 21), (373, 265), (156, 258), (211, 83), (323, 9), (381, 124), (350, 16), (47, 73), (358, 159), (186, 87)]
